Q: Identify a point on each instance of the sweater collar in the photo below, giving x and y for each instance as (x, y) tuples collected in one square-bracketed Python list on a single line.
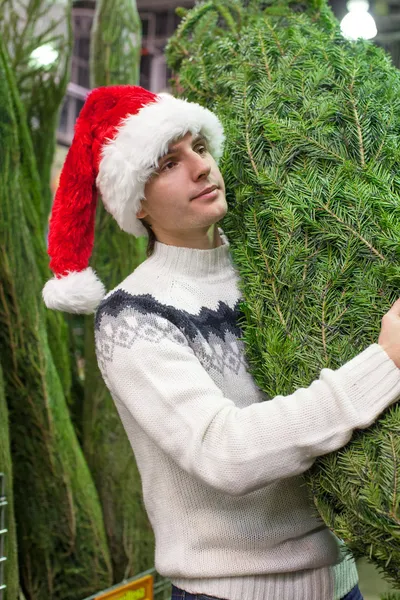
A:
[(192, 262)]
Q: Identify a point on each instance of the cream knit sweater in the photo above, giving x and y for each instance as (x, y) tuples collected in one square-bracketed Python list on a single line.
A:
[(220, 468)]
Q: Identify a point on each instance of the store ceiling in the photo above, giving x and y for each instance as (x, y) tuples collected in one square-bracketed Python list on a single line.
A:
[(385, 12)]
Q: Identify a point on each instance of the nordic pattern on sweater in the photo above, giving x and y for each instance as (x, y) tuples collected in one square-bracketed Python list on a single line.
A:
[(213, 334)]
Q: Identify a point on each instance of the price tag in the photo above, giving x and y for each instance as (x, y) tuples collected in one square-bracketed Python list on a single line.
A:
[(140, 589)]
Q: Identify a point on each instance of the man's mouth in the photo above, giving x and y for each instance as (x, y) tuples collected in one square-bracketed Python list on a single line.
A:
[(207, 192)]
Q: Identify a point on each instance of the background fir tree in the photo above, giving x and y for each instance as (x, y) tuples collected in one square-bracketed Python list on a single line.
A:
[(312, 172), (38, 37), (115, 59), (116, 43), (61, 540), (35, 33)]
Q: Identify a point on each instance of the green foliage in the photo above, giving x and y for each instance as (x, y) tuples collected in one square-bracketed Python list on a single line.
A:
[(10, 544), (38, 37), (312, 168), (33, 210), (115, 59), (115, 43), (37, 102), (61, 540)]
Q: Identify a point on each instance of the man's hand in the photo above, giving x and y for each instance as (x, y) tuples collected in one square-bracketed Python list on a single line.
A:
[(389, 337)]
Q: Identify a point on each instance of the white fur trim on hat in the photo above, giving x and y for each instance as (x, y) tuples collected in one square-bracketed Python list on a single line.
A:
[(128, 160), (78, 292)]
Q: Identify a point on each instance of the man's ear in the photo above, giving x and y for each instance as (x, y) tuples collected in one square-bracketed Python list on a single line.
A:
[(141, 213)]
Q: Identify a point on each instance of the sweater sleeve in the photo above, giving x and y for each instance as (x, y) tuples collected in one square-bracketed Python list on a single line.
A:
[(167, 391)]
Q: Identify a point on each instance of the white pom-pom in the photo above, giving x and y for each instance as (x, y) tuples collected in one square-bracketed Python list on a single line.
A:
[(78, 292)]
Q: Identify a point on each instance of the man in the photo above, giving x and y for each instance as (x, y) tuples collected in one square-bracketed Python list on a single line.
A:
[(221, 470)]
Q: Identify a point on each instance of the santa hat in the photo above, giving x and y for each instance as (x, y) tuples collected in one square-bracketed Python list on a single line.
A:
[(121, 133)]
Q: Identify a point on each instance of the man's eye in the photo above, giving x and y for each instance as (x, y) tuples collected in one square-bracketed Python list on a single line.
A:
[(201, 149), (168, 165)]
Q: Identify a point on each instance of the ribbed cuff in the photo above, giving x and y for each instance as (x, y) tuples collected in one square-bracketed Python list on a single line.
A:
[(313, 584), (345, 575), (372, 383)]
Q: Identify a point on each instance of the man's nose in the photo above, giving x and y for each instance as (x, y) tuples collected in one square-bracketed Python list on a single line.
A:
[(200, 167)]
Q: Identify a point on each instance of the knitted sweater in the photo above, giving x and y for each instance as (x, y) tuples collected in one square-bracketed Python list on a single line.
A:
[(220, 468)]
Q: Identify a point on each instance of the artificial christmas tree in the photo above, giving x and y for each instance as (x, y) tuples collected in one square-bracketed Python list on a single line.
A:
[(312, 171)]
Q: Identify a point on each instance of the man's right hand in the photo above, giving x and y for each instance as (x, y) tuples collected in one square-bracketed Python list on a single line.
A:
[(389, 337)]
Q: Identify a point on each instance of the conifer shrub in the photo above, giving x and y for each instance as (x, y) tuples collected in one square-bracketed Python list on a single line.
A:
[(62, 545)]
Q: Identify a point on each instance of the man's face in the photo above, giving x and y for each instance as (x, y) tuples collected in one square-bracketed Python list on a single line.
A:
[(175, 204)]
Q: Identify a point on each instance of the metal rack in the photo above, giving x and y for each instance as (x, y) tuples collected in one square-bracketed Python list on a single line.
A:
[(3, 532)]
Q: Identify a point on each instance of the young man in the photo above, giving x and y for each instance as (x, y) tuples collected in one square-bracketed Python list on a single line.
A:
[(221, 470)]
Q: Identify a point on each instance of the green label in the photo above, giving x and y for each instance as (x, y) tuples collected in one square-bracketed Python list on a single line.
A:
[(135, 594)]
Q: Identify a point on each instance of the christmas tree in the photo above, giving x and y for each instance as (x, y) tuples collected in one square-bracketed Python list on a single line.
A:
[(312, 167), (38, 38), (62, 545)]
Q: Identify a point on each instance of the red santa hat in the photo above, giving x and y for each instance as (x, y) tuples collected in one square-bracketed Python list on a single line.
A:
[(120, 135)]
